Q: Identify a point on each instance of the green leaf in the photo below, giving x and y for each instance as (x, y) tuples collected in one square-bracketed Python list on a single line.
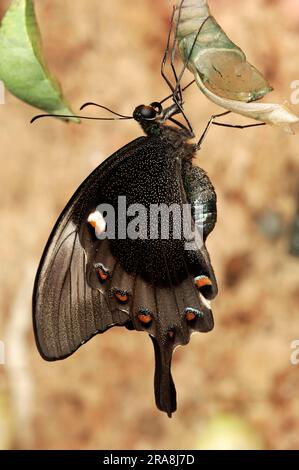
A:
[(23, 68)]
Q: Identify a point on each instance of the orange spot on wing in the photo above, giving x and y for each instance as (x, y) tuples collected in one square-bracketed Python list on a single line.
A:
[(192, 313), (202, 281), (143, 318), (190, 316), (121, 296), (103, 275), (93, 223)]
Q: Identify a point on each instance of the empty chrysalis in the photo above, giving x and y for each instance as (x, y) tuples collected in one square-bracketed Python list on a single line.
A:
[(221, 69)]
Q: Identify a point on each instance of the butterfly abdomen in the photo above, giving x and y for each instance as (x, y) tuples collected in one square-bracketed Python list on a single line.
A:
[(203, 199)]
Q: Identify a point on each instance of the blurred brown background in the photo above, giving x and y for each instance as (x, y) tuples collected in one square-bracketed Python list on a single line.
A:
[(109, 51)]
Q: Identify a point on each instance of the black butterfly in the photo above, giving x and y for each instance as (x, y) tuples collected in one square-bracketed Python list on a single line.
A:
[(86, 285)]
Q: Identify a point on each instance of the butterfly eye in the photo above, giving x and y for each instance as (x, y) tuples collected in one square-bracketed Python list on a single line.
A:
[(147, 113), (145, 316), (191, 314), (157, 106)]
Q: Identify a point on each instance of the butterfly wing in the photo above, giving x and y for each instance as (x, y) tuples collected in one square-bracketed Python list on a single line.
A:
[(85, 285), (67, 311)]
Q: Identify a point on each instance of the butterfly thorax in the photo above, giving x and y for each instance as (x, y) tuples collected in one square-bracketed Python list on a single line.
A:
[(173, 137)]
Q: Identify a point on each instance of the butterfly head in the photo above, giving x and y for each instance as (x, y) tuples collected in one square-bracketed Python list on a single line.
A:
[(152, 119), (152, 112)]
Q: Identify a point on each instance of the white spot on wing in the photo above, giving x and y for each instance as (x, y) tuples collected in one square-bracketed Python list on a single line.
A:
[(98, 222)]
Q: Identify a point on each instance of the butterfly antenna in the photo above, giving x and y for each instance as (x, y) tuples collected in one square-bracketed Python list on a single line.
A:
[(65, 116), (103, 107)]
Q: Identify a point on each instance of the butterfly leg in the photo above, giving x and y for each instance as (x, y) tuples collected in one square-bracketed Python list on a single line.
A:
[(208, 127), (177, 94), (233, 126), (165, 57)]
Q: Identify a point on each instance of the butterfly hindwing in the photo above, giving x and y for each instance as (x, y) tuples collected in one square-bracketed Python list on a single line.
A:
[(86, 285)]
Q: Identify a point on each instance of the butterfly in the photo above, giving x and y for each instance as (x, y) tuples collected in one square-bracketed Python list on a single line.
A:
[(88, 282)]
